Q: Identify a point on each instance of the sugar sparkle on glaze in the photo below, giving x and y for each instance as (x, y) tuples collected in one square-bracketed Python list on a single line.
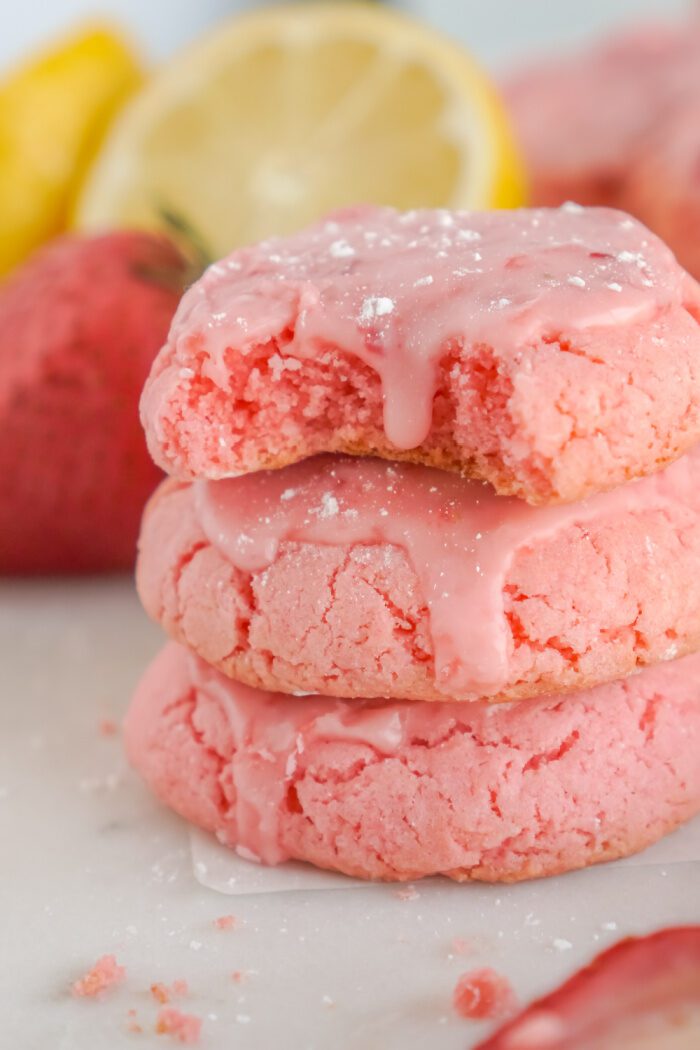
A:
[(397, 290), (459, 536)]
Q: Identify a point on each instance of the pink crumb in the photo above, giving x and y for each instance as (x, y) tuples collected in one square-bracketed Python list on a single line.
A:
[(108, 727), (105, 973), (459, 946), (184, 1028), (226, 922), (482, 994), (239, 976), (407, 893), (160, 993), (132, 1024)]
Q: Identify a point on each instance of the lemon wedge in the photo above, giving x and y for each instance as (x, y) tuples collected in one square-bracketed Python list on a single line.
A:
[(54, 111), (281, 115)]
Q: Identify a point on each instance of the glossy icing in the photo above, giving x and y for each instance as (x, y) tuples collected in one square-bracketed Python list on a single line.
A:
[(459, 536), (276, 739), (262, 742), (397, 289)]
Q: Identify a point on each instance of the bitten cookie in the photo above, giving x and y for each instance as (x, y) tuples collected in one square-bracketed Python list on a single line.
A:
[(358, 577), (551, 353), (403, 790)]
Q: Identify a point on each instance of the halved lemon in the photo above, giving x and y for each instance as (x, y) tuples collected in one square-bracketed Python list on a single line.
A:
[(281, 115)]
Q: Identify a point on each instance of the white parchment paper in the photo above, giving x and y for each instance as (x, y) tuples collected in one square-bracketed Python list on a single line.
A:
[(222, 870)]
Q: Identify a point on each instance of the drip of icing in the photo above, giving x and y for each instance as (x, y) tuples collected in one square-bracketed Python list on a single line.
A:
[(271, 733), (398, 290), (267, 749), (458, 535)]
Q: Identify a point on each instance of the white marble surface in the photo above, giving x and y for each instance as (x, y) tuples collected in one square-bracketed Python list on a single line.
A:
[(90, 864)]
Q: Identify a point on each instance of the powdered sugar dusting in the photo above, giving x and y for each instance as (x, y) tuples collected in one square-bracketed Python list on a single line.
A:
[(352, 281), (376, 306), (329, 506), (341, 250), (458, 536)]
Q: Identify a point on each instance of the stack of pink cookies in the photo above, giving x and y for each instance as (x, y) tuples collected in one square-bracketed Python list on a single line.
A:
[(513, 578)]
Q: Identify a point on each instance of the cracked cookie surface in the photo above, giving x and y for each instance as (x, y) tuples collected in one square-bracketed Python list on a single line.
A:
[(403, 790), (344, 599), (553, 353)]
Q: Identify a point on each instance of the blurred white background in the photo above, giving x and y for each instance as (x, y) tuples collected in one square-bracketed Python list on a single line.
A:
[(498, 31)]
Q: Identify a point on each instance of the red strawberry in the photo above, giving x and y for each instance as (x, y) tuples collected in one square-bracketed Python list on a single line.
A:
[(642, 992), (80, 324)]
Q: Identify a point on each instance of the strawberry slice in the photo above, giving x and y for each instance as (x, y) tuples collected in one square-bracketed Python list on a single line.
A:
[(641, 994)]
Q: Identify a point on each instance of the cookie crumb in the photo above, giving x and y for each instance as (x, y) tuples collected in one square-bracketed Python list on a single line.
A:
[(407, 893), (226, 922), (132, 1024), (483, 994), (184, 1028), (104, 974), (160, 993)]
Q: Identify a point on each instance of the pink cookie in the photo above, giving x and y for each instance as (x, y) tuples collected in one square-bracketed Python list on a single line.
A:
[(581, 118), (552, 353), (402, 790), (663, 186), (356, 577)]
